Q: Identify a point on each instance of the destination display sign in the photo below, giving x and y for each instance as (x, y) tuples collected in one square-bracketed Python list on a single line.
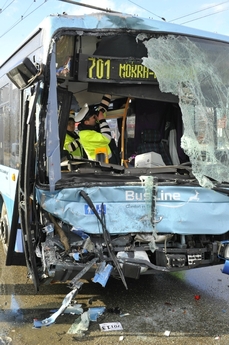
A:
[(110, 69)]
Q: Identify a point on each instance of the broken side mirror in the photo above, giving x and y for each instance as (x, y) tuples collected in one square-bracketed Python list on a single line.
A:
[(23, 74)]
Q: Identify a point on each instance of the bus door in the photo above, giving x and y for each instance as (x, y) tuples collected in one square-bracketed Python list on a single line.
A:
[(24, 199)]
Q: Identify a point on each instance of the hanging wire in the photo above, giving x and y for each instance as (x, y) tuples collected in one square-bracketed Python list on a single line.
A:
[(205, 9), (147, 10), (3, 9), (209, 7), (28, 8), (5, 3), (207, 15), (89, 6), (22, 18)]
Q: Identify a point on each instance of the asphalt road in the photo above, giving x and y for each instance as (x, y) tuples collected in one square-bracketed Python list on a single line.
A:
[(187, 308)]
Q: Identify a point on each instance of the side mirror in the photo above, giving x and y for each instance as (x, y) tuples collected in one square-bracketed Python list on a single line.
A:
[(21, 74)]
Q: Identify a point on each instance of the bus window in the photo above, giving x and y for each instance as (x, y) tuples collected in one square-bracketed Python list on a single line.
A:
[(65, 45)]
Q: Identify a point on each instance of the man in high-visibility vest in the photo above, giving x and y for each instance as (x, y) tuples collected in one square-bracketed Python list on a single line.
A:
[(72, 141), (94, 131)]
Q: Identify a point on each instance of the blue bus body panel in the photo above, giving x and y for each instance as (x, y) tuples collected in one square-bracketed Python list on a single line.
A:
[(182, 210), (8, 188)]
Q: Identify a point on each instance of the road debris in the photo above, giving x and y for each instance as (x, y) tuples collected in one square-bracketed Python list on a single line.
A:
[(126, 314), (82, 323), (48, 321), (111, 326), (167, 333), (5, 340)]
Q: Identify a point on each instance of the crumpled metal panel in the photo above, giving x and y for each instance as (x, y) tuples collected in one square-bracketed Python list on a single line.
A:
[(179, 209)]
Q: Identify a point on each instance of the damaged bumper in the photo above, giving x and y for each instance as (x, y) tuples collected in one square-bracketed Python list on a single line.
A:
[(150, 229)]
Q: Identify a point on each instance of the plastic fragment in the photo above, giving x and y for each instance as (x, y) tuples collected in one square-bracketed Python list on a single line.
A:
[(76, 256), (102, 274), (197, 297), (167, 333), (74, 309), (121, 338), (80, 325), (126, 314), (5, 340), (95, 312)]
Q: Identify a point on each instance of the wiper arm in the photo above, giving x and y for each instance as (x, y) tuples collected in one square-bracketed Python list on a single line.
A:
[(106, 237)]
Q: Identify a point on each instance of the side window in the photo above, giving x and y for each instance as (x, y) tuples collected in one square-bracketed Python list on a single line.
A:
[(64, 56), (9, 125), (5, 123)]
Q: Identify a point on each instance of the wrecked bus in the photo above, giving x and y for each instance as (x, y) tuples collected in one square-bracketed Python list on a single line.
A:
[(164, 206)]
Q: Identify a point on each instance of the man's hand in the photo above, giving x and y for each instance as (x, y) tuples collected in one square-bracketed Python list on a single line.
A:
[(101, 116)]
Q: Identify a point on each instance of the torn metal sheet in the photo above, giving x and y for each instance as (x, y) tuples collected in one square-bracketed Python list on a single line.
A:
[(75, 284), (174, 204), (53, 142), (50, 320)]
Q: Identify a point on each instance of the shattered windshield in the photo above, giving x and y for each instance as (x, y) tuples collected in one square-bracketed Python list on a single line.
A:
[(196, 70)]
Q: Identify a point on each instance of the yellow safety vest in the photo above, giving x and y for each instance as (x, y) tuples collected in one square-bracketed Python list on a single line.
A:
[(91, 140), (69, 147)]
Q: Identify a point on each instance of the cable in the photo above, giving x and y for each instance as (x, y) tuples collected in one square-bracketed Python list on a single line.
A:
[(207, 8), (147, 10), (22, 18), (89, 6), (186, 14), (211, 14), (3, 9), (5, 3), (28, 8), (10, 28), (207, 15)]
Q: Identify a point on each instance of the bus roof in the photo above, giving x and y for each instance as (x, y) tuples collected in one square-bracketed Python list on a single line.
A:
[(117, 21)]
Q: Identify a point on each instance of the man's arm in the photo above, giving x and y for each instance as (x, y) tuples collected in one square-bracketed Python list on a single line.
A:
[(103, 107), (104, 127), (71, 144), (104, 104)]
